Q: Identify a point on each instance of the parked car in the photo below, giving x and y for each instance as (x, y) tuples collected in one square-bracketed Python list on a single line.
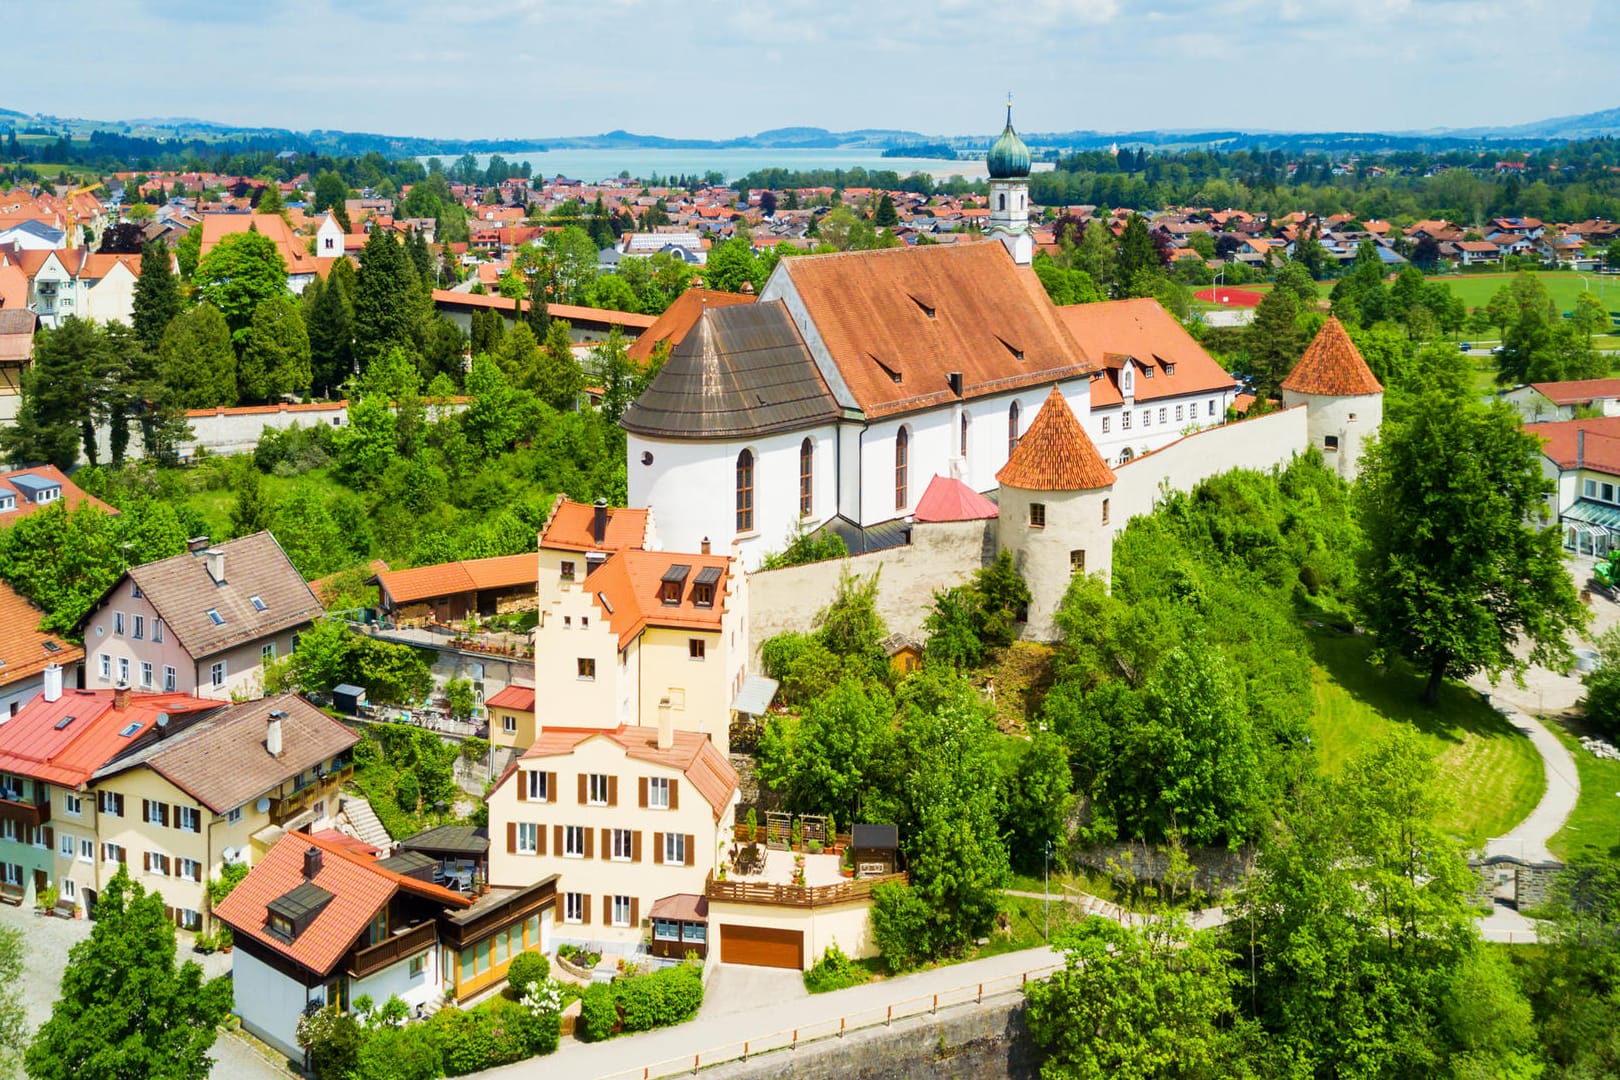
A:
[(1464, 346)]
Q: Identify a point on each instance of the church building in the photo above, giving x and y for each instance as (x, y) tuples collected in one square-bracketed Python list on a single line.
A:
[(857, 377)]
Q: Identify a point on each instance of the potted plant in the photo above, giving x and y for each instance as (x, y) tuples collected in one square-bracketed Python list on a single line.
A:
[(205, 943), (753, 825), (798, 834), (45, 900), (225, 939), (846, 865)]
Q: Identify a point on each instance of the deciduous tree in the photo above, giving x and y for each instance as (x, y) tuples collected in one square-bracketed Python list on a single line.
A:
[(276, 358), (242, 271), (196, 362)]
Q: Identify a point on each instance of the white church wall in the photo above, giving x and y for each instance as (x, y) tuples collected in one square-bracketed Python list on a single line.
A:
[(941, 554)]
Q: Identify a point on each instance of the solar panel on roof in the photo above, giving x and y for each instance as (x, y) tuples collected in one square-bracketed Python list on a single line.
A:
[(709, 575)]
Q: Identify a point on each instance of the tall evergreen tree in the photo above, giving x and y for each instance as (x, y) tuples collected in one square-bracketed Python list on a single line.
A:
[(196, 361), (1136, 251), (886, 216), (276, 358), (330, 329), (559, 378), (421, 257), (387, 299), (56, 396), (157, 296), (1273, 341), (539, 313)]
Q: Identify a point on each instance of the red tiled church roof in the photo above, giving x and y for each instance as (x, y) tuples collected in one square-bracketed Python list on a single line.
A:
[(1056, 454)]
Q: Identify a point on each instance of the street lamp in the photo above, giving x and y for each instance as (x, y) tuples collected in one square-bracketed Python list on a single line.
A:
[(1046, 892)]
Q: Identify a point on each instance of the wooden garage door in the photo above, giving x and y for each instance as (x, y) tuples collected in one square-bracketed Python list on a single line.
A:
[(761, 946)]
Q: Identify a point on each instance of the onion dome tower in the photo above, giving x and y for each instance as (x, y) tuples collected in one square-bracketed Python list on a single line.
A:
[(1008, 162)]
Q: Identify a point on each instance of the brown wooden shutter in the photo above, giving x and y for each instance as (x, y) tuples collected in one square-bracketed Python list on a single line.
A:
[(511, 838), (118, 798), (691, 850), (658, 848), (539, 839), (146, 861), (50, 837), (551, 787), (641, 792), (607, 844), (635, 846), (582, 782), (523, 786), (163, 813), (613, 791), (590, 836), (607, 910), (146, 809), (557, 839), (123, 856), (168, 913), (635, 911), (674, 794), (585, 910), (167, 866)]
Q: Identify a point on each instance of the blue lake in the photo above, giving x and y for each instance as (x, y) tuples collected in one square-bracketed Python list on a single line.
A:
[(594, 165)]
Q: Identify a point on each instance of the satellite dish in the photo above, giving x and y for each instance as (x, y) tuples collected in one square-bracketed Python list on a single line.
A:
[(231, 855), (263, 805)]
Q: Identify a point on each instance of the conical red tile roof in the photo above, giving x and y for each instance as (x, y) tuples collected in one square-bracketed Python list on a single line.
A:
[(1056, 454), (1332, 366)]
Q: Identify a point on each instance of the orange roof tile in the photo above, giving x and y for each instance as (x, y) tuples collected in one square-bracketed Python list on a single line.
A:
[(360, 888), (695, 755), (1562, 441), (514, 697), (448, 579), (25, 650), (1578, 391), (1332, 366), (629, 582), (1145, 332), (897, 322), (679, 318), (571, 524), (1056, 454), (32, 744)]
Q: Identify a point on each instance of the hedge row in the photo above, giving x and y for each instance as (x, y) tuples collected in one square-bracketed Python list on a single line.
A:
[(641, 1002)]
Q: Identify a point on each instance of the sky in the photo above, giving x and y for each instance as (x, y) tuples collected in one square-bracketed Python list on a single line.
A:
[(705, 69)]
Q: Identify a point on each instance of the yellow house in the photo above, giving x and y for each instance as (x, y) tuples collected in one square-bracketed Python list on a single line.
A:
[(623, 817), (579, 537), (644, 630), (511, 716), (172, 786)]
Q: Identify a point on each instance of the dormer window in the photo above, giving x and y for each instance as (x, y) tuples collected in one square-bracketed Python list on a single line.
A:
[(1147, 371), (703, 588), (215, 617), (672, 583)]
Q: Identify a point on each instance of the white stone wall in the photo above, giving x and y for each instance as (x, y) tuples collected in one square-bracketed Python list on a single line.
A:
[(1348, 420), (940, 555), (269, 1003), (396, 978)]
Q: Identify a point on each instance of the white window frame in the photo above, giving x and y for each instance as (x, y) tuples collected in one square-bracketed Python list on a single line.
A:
[(72, 803), (573, 842), (623, 843), (65, 846), (106, 666), (154, 812), (528, 838), (509, 725), (573, 907), (138, 628), (171, 678), (146, 674), (674, 849), (621, 910), (157, 631), (118, 624), (267, 654), (597, 787), (182, 813), (123, 670), (87, 850), (658, 793), (1105, 424), (216, 674), (234, 816), (539, 785)]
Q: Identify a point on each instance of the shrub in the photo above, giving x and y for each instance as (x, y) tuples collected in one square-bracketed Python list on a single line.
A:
[(834, 971), (407, 791), (598, 1013), (805, 548), (901, 920), (804, 666), (526, 970), (332, 1040), (662, 998), (400, 1053)]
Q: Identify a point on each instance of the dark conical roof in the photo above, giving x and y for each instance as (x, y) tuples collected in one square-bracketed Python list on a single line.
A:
[(741, 371), (1009, 157)]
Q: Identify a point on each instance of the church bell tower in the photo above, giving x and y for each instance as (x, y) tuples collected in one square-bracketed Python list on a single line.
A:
[(1008, 163)]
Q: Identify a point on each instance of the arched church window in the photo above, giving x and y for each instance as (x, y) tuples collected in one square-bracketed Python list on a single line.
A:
[(745, 491), (1012, 428), (902, 453), (962, 451), (807, 477), (1001, 202)]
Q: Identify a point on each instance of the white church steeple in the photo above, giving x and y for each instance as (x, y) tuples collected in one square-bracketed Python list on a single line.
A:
[(1008, 163)]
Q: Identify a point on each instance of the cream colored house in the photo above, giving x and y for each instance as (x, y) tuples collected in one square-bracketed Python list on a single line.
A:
[(205, 622), (642, 629), (169, 785), (624, 817), (579, 537)]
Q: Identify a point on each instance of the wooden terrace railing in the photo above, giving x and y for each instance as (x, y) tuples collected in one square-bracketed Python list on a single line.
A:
[(759, 892)]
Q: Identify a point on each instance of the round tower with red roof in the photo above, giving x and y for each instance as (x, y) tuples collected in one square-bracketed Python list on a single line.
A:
[(1344, 401)]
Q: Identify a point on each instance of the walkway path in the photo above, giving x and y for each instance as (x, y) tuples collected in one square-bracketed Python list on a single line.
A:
[(725, 1025)]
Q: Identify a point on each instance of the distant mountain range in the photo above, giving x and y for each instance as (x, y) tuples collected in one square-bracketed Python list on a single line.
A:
[(185, 130)]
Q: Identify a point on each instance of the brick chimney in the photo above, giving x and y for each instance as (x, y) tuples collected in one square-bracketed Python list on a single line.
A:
[(706, 545), (121, 697), (599, 521)]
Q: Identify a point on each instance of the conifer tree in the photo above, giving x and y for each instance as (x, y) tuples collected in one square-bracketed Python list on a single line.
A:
[(387, 299), (196, 361), (276, 359), (886, 216), (157, 296)]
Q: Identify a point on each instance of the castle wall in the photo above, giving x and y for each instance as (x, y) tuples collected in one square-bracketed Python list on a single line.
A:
[(1339, 426)]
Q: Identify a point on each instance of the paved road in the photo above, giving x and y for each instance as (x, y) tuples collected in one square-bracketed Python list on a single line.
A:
[(723, 1022)]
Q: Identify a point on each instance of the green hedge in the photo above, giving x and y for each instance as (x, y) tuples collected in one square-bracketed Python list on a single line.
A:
[(641, 1002)]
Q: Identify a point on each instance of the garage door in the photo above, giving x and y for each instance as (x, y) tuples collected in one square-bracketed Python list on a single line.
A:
[(761, 946)]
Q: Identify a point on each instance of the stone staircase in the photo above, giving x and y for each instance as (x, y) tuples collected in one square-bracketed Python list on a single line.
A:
[(367, 826)]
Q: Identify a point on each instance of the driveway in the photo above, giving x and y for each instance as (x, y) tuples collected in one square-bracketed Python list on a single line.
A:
[(45, 953), (734, 988)]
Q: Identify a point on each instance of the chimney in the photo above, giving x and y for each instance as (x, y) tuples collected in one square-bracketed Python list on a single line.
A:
[(272, 733), (53, 682), (312, 862), (666, 726), (216, 565), (599, 521), (196, 544), (121, 697), (162, 724), (1580, 448), (706, 545)]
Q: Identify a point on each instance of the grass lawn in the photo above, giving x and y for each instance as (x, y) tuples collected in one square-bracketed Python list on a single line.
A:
[(215, 504), (1491, 772), (1594, 828)]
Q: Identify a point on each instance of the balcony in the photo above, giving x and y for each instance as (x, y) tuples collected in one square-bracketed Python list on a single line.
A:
[(807, 896), (370, 959), (289, 806), (15, 806)]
